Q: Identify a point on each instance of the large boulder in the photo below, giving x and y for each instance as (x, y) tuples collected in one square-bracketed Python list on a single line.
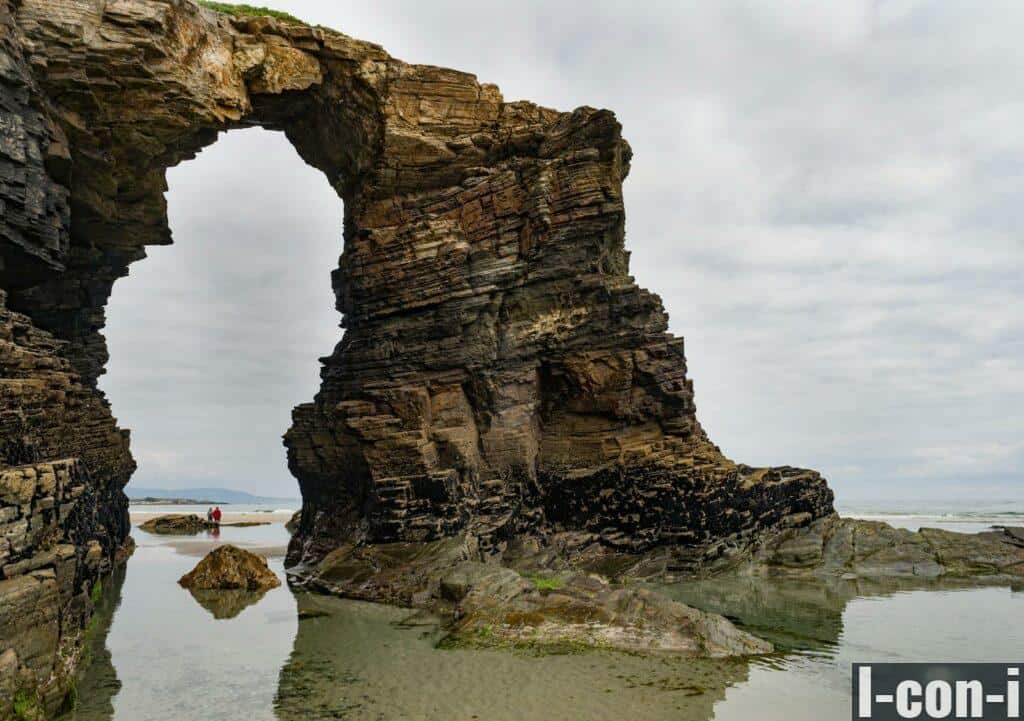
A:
[(177, 525), (228, 567)]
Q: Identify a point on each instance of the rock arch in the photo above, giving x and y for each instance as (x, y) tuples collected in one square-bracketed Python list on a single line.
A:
[(500, 374), (500, 368)]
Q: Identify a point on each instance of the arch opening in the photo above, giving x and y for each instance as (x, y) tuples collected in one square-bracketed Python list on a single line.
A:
[(214, 339)]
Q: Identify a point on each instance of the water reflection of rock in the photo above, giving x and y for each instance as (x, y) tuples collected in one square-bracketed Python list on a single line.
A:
[(98, 683), (356, 660), (795, 614), (226, 604)]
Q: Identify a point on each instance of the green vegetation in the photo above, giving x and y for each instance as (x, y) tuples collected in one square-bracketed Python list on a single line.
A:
[(97, 591), (26, 705), (543, 583), (243, 9)]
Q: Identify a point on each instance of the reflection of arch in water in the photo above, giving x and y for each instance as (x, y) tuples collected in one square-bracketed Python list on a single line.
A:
[(368, 661), (97, 683)]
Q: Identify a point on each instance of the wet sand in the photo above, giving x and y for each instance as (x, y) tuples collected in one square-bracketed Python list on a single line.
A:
[(139, 516)]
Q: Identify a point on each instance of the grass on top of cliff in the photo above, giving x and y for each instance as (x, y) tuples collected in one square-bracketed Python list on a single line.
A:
[(242, 10)]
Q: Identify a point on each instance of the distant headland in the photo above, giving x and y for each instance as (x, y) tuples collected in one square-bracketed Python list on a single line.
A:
[(201, 496)]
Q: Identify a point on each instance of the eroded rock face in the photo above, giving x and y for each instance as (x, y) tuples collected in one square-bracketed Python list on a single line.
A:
[(229, 568), (500, 376)]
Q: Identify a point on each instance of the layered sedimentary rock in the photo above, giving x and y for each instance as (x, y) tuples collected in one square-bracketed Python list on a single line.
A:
[(500, 376)]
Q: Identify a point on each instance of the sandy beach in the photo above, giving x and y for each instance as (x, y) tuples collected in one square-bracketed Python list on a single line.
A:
[(139, 514)]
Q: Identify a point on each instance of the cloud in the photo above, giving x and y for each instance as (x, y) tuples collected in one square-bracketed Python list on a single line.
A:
[(826, 195)]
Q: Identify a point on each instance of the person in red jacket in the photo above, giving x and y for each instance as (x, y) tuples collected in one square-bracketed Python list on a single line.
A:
[(216, 515)]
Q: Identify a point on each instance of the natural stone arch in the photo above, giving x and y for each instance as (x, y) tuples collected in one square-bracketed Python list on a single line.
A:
[(500, 371), (501, 376)]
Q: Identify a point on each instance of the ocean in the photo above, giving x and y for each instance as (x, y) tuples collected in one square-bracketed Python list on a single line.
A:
[(962, 515)]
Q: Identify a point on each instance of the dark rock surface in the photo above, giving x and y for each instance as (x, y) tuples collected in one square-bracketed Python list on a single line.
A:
[(229, 568)]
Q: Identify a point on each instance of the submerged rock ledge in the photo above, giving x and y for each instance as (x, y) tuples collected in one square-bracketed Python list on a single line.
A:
[(571, 591)]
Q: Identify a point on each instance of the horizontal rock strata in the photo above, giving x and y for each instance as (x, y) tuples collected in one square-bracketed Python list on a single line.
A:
[(55, 549)]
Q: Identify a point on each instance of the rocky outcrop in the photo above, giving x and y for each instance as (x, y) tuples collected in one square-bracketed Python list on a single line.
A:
[(830, 547), (501, 375), (178, 525), (229, 568), (55, 549), (870, 549), (497, 607)]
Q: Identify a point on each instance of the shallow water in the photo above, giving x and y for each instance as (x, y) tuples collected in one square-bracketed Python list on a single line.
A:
[(167, 655)]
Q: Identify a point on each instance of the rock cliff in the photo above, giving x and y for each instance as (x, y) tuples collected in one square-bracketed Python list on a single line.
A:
[(501, 375)]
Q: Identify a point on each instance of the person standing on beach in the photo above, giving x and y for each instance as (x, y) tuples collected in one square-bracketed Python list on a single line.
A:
[(209, 515), (216, 515)]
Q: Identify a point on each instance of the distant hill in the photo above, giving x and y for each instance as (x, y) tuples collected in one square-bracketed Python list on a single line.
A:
[(216, 495)]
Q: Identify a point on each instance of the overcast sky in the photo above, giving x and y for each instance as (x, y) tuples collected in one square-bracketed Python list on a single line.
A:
[(827, 195)]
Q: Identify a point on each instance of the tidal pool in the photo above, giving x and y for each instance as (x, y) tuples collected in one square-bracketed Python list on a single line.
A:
[(160, 653)]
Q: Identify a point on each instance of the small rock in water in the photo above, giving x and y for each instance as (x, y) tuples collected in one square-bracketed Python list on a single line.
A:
[(177, 524), (230, 567)]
